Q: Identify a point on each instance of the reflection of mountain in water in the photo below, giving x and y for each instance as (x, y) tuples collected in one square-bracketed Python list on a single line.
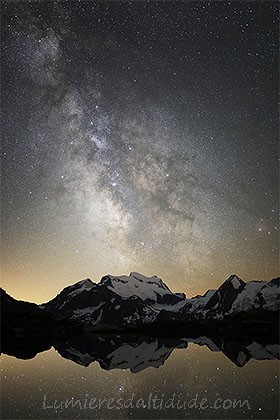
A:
[(241, 351), (134, 352), (120, 352)]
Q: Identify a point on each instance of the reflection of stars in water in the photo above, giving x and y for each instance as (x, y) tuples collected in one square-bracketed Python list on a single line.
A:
[(121, 389)]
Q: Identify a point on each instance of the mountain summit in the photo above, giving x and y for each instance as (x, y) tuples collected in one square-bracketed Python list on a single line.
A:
[(150, 289)]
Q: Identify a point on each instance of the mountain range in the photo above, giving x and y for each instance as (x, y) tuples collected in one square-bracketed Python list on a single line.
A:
[(139, 302), (136, 302)]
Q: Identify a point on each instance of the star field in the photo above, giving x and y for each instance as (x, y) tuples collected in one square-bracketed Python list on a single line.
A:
[(138, 136)]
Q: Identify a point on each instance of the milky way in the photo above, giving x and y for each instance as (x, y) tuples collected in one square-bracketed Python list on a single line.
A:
[(138, 136)]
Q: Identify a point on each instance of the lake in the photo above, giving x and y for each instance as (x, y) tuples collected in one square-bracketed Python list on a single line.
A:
[(169, 380)]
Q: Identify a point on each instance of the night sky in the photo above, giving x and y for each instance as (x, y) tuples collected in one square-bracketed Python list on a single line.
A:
[(138, 136)]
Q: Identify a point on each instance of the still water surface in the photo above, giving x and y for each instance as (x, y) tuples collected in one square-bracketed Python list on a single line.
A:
[(191, 382)]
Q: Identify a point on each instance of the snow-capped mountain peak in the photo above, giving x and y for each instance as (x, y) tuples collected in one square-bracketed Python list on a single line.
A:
[(235, 281), (81, 285), (69, 292), (149, 289)]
